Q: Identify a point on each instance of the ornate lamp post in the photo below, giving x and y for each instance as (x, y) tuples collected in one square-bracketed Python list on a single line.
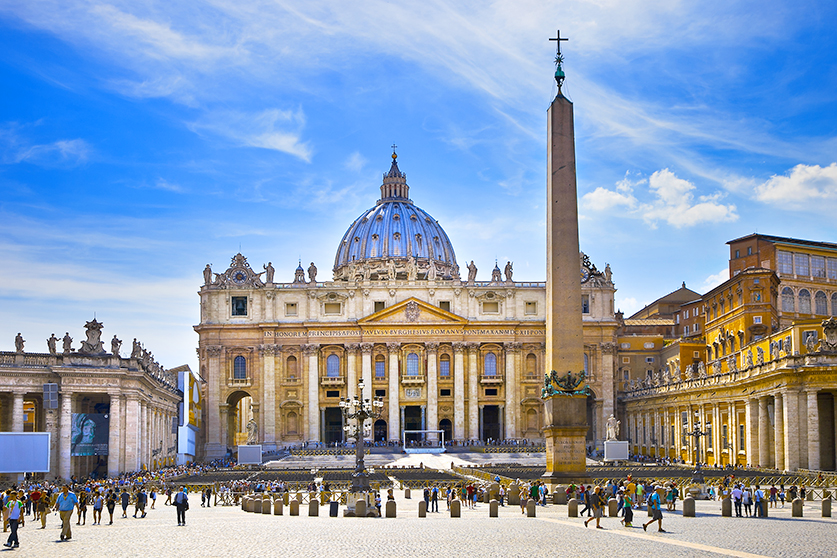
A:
[(696, 433), (360, 410)]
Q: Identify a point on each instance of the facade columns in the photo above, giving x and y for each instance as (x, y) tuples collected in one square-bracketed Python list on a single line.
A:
[(311, 353), (351, 370), (763, 445), (790, 416), (432, 391), (114, 435), (473, 392), (65, 470), (132, 434), (512, 351), (813, 431), (17, 411), (366, 374), (268, 432), (779, 431), (458, 391), (216, 443), (394, 422), (224, 414)]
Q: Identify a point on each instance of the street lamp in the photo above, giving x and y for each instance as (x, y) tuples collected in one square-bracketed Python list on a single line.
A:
[(360, 410), (696, 433)]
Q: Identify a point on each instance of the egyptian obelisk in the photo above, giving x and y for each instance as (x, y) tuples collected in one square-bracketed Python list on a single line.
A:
[(565, 415)]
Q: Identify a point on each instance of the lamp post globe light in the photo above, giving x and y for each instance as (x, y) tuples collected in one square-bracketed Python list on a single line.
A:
[(360, 410), (696, 433)]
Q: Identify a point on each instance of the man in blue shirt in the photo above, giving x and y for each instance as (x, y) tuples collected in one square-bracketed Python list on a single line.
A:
[(65, 504)]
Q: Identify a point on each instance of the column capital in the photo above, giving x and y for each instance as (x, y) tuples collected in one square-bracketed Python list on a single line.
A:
[(213, 350), (268, 349), (459, 346), (393, 347), (366, 348), (431, 346), (353, 347), (310, 349), (472, 346), (512, 346)]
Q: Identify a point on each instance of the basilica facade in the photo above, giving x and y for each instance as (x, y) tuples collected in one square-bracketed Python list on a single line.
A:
[(444, 350)]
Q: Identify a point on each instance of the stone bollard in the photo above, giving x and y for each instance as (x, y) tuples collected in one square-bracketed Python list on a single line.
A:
[(493, 491), (559, 495), (486, 497), (493, 508), (313, 508), (244, 503), (406, 493), (764, 508), (613, 507), (689, 507), (513, 494), (456, 508), (390, 508), (726, 507), (256, 506), (277, 506), (572, 508), (796, 508), (826, 507), (267, 506), (530, 508), (422, 508), (294, 507), (286, 498), (360, 508)]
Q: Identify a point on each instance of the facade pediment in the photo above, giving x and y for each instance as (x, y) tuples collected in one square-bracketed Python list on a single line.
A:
[(412, 311)]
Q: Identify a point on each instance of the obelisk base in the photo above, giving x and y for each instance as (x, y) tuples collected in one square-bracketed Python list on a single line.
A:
[(566, 440)]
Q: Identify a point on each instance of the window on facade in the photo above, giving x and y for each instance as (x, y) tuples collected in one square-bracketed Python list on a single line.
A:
[(686, 330), (412, 364), (585, 304), (240, 368), (333, 366), (821, 303), (832, 268), (800, 264), (649, 359), (332, 393), (290, 309), (491, 392), (740, 435), (723, 304), (444, 305), (380, 393), (444, 366), (380, 366), (626, 360), (756, 319), (818, 267), (239, 305), (490, 307), (445, 392), (586, 363), (331, 308), (749, 250), (810, 333), (787, 299), (290, 367), (490, 364), (804, 301), (784, 262), (380, 305), (531, 308), (834, 304), (532, 363)]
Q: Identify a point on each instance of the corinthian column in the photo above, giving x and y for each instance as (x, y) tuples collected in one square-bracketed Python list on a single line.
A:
[(366, 374), (216, 443), (114, 434), (65, 462), (458, 391), (473, 392), (813, 431), (268, 353), (394, 422), (512, 350), (313, 403), (351, 369), (432, 390)]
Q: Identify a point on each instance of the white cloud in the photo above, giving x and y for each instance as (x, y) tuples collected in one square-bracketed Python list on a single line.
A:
[(356, 162), (62, 152), (273, 129), (715, 279), (163, 184), (804, 185), (628, 305), (602, 199)]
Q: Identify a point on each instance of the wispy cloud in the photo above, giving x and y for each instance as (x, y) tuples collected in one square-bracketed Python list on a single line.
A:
[(715, 279), (804, 186), (16, 147), (274, 129)]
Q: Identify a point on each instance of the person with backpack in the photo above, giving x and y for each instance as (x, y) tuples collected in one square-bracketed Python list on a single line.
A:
[(596, 504), (656, 511), (181, 502), (15, 507)]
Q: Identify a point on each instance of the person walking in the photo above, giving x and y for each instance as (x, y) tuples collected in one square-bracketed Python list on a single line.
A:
[(15, 507), (98, 504), (110, 503), (596, 503), (181, 502), (42, 509), (627, 507), (124, 500), (656, 512), (434, 498), (83, 496), (65, 504)]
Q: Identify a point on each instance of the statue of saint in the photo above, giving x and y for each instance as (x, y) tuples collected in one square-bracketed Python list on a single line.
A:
[(607, 273), (431, 270), (252, 433), (412, 268), (51, 341), (68, 343), (472, 272), (612, 426), (115, 345), (136, 349), (207, 275), (312, 273), (391, 271), (455, 273), (19, 341), (269, 271), (509, 272)]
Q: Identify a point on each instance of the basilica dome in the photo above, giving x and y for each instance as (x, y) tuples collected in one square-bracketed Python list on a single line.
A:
[(395, 239)]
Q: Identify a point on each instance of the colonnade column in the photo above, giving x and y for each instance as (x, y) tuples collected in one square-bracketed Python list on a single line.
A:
[(366, 374), (114, 434), (717, 430), (763, 447), (432, 391), (732, 433), (394, 422), (473, 392), (216, 445), (779, 431), (790, 418), (132, 429), (512, 350), (813, 431), (458, 391), (311, 352), (666, 432), (142, 433), (17, 411), (66, 431), (268, 434), (351, 370)]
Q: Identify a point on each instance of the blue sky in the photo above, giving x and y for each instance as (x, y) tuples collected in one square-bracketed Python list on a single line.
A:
[(141, 140)]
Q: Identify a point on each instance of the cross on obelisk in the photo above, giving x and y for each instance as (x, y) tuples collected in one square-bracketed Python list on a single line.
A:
[(559, 71)]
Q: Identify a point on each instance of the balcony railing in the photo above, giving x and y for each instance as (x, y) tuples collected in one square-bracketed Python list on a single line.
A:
[(332, 380), (493, 379), (412, 380), (239, 382)]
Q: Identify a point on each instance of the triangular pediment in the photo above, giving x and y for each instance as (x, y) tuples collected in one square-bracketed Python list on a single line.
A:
[(412, 311)]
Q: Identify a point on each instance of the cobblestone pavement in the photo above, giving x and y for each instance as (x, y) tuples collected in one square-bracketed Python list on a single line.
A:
[(227, 531)]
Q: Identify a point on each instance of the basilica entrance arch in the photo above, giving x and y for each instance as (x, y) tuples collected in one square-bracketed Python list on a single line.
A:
[(447, 426), (380, 430), (240, 411)]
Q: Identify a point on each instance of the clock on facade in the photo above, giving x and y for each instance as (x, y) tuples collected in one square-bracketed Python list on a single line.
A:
[(239, 276), (585, 273)]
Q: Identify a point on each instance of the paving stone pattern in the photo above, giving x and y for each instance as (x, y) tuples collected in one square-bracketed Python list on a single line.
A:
[(228, 531)]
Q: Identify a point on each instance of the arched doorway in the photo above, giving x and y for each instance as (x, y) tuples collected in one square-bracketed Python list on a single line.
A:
[(239, 413), (380, 430), (446, 425)]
